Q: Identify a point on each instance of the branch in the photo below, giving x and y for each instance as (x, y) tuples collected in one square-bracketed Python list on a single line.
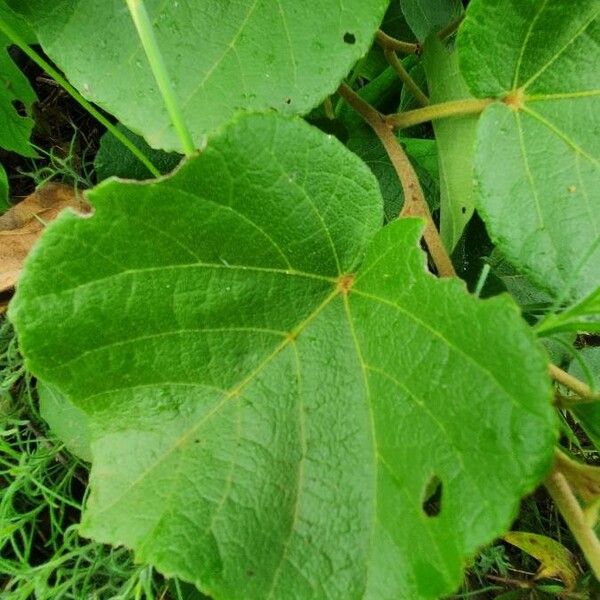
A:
[(406, 79), (415, 204), (574, 517), (442, 110), (584, 391), (387, 42)]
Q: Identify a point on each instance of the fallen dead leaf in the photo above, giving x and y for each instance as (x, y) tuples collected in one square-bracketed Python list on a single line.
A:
[(22, 225)]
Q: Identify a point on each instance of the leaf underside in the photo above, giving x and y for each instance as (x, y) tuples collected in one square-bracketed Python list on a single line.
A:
[(222, 57), (274, 382), (537, 167)]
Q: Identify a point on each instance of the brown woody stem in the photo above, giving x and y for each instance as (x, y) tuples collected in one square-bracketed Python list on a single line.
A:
[(387, 42), (415, 204)]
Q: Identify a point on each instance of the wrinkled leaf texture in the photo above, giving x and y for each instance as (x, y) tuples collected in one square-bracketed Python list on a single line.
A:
[(273, 381), (222, 57), (537, 165)]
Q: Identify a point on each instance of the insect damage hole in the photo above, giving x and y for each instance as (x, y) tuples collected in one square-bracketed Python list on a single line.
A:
[(19, 108), (349, 38), (432, 497)]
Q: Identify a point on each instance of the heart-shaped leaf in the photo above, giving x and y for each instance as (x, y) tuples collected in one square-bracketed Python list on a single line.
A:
[(536, 160), (222, 57), (284, 402)]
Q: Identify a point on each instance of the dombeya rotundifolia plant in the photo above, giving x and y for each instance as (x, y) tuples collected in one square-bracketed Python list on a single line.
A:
[(221, 57), (274, 382), (537, 164)]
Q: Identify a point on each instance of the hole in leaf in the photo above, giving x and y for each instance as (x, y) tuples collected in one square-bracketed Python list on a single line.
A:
[(288, 100), (432, 497), (20, 108), (463, 209), (349, 38)]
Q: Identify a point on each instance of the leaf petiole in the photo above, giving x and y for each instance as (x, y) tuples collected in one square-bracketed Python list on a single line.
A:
[(442, 110), (143, 25)]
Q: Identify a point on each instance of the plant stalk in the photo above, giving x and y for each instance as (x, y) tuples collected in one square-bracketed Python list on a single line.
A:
[(584, 391), (406, 79), (442, 110), (574, 517), (387, 42), (159, 70), (14, 37), (415, 204)]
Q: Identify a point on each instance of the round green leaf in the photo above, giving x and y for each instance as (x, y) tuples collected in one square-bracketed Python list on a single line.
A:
[(222, 57), (284, 403), (536, 160)]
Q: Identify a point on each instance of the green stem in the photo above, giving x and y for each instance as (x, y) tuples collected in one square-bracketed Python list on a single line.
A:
[(407, 80), (159, 70), (574, 517), (581, 389), (454, 108), (450, 28), (14, 37), (387, 42)]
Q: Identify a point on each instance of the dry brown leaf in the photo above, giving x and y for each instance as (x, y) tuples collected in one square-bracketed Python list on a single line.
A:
[(22, 225)]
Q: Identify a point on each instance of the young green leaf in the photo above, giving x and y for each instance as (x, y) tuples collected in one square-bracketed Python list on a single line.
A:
[(284, 402), (455, 140), (222, 57), (16, 94), (536, 164)]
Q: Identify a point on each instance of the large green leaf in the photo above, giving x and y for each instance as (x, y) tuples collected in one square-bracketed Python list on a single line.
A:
[(274, 382), (16, 94), (455, 141), (536, 165), (222, 57)]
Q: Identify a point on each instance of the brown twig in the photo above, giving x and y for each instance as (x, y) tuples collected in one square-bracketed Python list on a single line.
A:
[(387, 42), (415, 204)]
